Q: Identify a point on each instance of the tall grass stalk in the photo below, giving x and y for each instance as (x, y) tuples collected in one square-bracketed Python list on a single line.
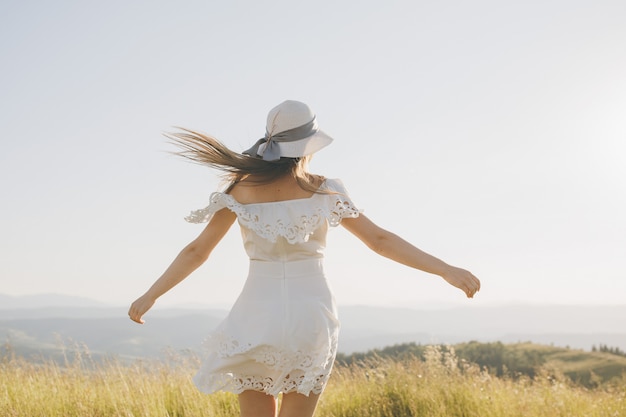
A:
[(83, 387), (440, 386), (437, 387)]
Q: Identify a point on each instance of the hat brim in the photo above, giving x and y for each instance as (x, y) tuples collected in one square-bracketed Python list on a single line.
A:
[(302, 147)]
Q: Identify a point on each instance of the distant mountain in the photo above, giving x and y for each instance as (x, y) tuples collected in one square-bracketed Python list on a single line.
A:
[(575, 326), (107, 330), (45, 337)]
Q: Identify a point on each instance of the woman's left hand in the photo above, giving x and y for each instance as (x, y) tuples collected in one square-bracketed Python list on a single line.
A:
[(140, 307)]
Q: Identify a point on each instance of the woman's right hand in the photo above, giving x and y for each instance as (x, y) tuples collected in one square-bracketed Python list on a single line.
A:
[(462, 279), (139, 307)]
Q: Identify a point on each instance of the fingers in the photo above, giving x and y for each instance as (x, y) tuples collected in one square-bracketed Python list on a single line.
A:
[(137, 319), (135, 315), (463, 280), (139, 307), (473, 286)]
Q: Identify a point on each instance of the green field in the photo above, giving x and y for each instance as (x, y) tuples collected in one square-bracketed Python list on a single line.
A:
[(435, 382)]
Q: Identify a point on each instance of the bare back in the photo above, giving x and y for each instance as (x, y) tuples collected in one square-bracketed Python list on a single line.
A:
[(286, 187)]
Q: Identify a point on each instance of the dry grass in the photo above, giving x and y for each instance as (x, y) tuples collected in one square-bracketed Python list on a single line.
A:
[(85, 388), (437, 387)]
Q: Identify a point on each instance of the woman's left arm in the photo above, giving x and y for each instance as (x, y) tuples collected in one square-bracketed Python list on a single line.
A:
[(397, 249)]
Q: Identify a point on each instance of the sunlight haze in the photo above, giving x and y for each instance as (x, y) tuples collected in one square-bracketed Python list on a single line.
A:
[(490, 134)]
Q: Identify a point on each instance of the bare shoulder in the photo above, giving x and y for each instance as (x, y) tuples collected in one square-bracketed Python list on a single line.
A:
[(244, 191)]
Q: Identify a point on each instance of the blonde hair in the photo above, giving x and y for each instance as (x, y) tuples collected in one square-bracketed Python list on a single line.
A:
[(207, 150)]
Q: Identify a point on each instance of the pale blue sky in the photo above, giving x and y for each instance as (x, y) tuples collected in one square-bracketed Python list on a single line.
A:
[(491, 134)]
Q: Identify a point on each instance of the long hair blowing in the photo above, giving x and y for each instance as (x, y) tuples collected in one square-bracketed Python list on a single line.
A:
[(206, 150)]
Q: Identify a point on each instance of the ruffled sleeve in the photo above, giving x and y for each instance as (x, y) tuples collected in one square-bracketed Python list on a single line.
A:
[(300, 214), (217, 201), (340, 205)]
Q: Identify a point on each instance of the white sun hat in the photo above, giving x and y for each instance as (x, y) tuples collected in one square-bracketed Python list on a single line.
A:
[(291, 131)]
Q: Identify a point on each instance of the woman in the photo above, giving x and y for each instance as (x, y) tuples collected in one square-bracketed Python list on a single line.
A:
[(281, 334)]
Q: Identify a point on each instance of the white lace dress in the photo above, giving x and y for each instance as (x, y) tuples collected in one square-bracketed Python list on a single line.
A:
[(281, 334)]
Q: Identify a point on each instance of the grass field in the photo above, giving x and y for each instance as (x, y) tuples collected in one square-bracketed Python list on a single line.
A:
[(440, 385)]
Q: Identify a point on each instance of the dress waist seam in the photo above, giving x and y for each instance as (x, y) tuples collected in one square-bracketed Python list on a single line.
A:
[(291, 269)]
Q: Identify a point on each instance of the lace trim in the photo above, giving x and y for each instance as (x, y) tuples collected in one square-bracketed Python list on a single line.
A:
[(272, 356), (295, 230), (300, 371), (203, 215), (343, 209), (237, 384)]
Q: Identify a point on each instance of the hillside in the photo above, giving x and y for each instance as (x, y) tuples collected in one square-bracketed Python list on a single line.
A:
[(513, 360), (435, 387), (105, 336), (46, 326)]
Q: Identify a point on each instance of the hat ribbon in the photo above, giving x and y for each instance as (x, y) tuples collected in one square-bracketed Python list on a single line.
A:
[(271, 152)]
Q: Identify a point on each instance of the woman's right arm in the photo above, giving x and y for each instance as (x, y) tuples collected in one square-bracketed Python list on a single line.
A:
[(187, 261), (397, 249)]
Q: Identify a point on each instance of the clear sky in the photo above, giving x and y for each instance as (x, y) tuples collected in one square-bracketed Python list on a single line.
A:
[(489, 133)]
